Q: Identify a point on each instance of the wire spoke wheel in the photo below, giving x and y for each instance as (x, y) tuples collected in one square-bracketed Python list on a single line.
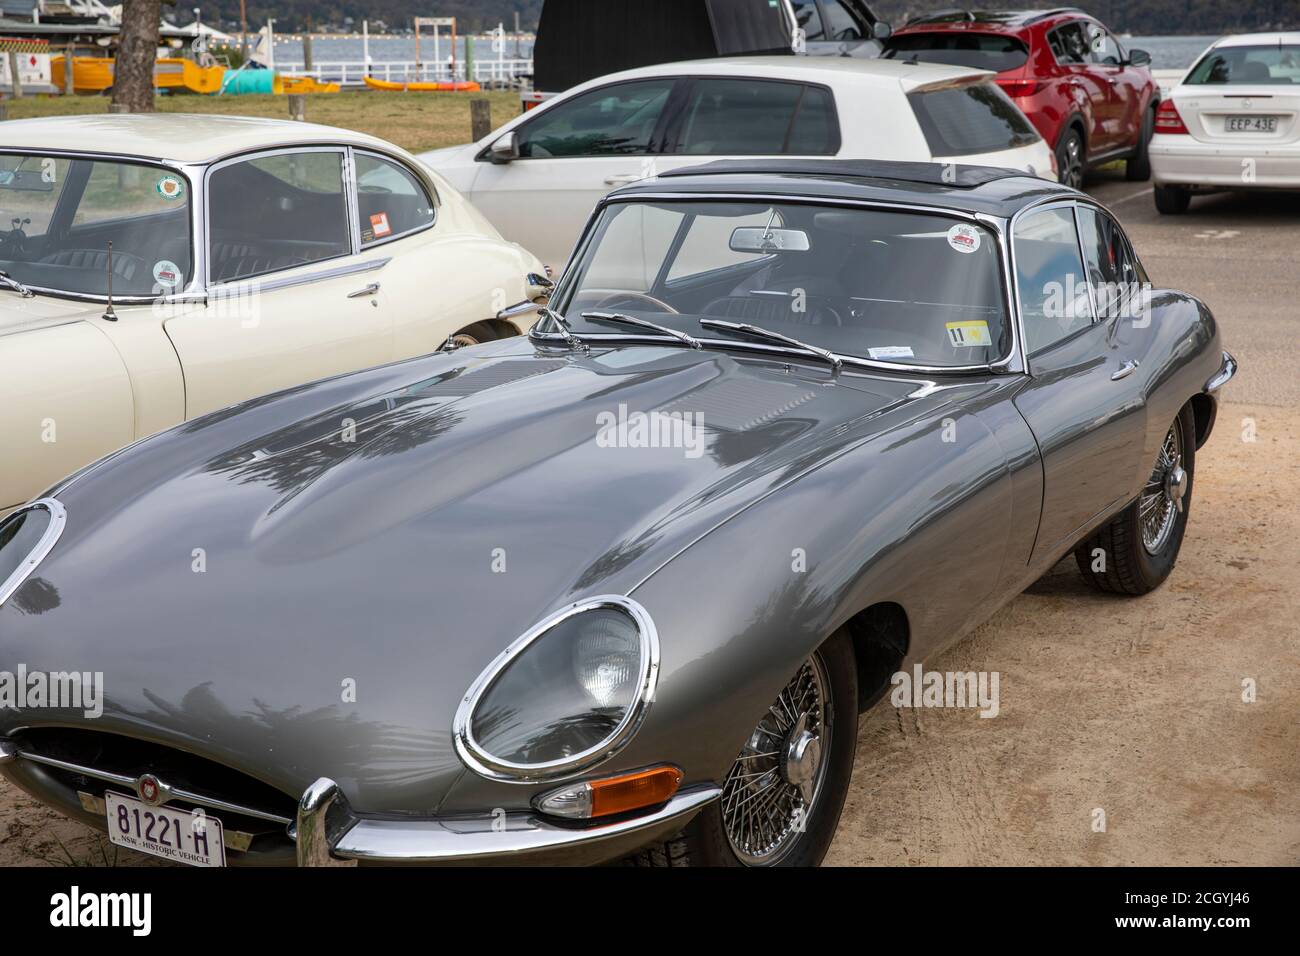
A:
[(776, 780), (1162, 498)]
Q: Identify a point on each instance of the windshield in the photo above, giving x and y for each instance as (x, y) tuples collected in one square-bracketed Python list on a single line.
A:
[(58, 215), (900, 287), (1276, 64)]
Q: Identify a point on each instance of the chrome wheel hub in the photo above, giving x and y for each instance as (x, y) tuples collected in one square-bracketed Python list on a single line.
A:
[(1162, 499), (774, 784)]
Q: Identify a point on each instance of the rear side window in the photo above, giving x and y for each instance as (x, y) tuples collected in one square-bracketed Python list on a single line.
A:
[(746, 117), (390, 200), (1111, 267), (277, 212), (962, 120), (985, 51), (1274, 65), (615, 120), (1069, 44)]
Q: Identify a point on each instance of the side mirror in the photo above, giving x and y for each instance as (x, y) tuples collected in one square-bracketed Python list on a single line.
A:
[(1139, 58), (540, 286), (880, 30), (505, 150)]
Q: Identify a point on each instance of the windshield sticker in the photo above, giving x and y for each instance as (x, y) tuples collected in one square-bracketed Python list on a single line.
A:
[(891, 352), (969, 335), (166, 274), (964, 238), (169, 187), (379, 222)]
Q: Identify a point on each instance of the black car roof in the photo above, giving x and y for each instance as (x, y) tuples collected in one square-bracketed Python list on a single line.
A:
[(983, 189)]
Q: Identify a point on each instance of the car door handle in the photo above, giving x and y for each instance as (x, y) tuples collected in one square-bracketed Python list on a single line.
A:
[(623, 180), (1125, 370), (362, 293)]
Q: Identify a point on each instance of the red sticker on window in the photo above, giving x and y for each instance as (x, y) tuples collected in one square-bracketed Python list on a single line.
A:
[(380, 223)]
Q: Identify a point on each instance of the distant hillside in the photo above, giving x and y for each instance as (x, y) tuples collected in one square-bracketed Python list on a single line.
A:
[(1145, 17)]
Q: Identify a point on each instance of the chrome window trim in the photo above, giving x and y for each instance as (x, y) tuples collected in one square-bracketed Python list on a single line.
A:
[(1011, 361), (290, 281), (485, 764), (419, 180), (349, 205), (191, 172), (58, 519)]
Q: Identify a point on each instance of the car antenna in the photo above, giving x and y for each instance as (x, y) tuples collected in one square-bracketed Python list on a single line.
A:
[(109, 315)]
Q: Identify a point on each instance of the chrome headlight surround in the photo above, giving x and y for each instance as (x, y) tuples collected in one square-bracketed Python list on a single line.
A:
[(58, 518), (478, 759)]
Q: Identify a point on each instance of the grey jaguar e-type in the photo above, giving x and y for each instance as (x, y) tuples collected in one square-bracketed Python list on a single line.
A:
[(624, 586)]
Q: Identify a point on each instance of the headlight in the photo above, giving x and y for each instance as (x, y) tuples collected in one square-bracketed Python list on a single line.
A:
[(26, 537), (563, 697)]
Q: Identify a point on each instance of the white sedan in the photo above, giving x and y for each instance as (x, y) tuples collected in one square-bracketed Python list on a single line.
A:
[(539, 176), (1233, 122), (154, 268)]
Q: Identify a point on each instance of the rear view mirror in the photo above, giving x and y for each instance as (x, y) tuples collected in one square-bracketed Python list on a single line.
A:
[(881, 30), (505, 150), (1139, 58), (761, 239)]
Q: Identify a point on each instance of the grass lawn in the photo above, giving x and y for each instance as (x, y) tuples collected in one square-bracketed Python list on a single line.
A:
[(414, 121)]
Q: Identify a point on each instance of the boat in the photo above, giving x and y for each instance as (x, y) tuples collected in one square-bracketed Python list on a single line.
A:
[(390, 86)]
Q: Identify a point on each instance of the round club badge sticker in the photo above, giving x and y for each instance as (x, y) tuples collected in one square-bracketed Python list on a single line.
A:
[(166, 274), (169, 187), (964, 238)]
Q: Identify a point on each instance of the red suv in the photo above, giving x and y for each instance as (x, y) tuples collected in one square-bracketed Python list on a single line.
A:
[(1091, 99)]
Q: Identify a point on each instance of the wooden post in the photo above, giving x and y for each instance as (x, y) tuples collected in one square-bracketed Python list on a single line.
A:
[(16, 83), (4, 111), (69, 66), (469, 60), (298, 107), (480, 117), (307, 58)]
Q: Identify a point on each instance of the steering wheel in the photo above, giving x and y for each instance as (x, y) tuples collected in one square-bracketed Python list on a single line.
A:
[(13, 243), (659, 305)]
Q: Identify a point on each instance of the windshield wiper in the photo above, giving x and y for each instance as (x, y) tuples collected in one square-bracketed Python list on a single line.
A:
[(565, 329), (9, 282), (618, 318), (760, 333)]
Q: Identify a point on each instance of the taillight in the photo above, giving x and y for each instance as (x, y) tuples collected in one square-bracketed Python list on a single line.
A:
[(1168, 120), (1018, 88)]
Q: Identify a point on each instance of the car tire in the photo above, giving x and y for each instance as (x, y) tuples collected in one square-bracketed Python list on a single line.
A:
[(712, 838), (1138, 167), (475, 334), (1137, 550), (1070, 159), (1172, 200)]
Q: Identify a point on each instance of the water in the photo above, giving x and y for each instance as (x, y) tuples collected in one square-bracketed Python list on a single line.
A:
[(1167, 52), (395, 48)]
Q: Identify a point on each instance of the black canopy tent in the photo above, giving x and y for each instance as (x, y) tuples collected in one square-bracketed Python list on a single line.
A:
[(578, 40)]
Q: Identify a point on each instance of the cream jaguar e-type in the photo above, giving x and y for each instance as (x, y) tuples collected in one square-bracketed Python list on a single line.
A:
[(154, 268)]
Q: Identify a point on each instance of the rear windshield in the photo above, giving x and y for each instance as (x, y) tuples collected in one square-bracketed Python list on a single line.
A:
[(1272, 65), (986, 51), (980, 118)]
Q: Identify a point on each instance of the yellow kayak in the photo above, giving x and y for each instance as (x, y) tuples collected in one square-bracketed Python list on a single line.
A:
[(460, 87)]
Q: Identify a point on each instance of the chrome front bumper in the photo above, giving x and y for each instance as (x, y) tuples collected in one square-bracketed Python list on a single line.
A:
[(328, 833), (1225, 373)]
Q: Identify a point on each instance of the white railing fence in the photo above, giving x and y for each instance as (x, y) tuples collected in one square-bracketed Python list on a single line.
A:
[(354, 72)]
